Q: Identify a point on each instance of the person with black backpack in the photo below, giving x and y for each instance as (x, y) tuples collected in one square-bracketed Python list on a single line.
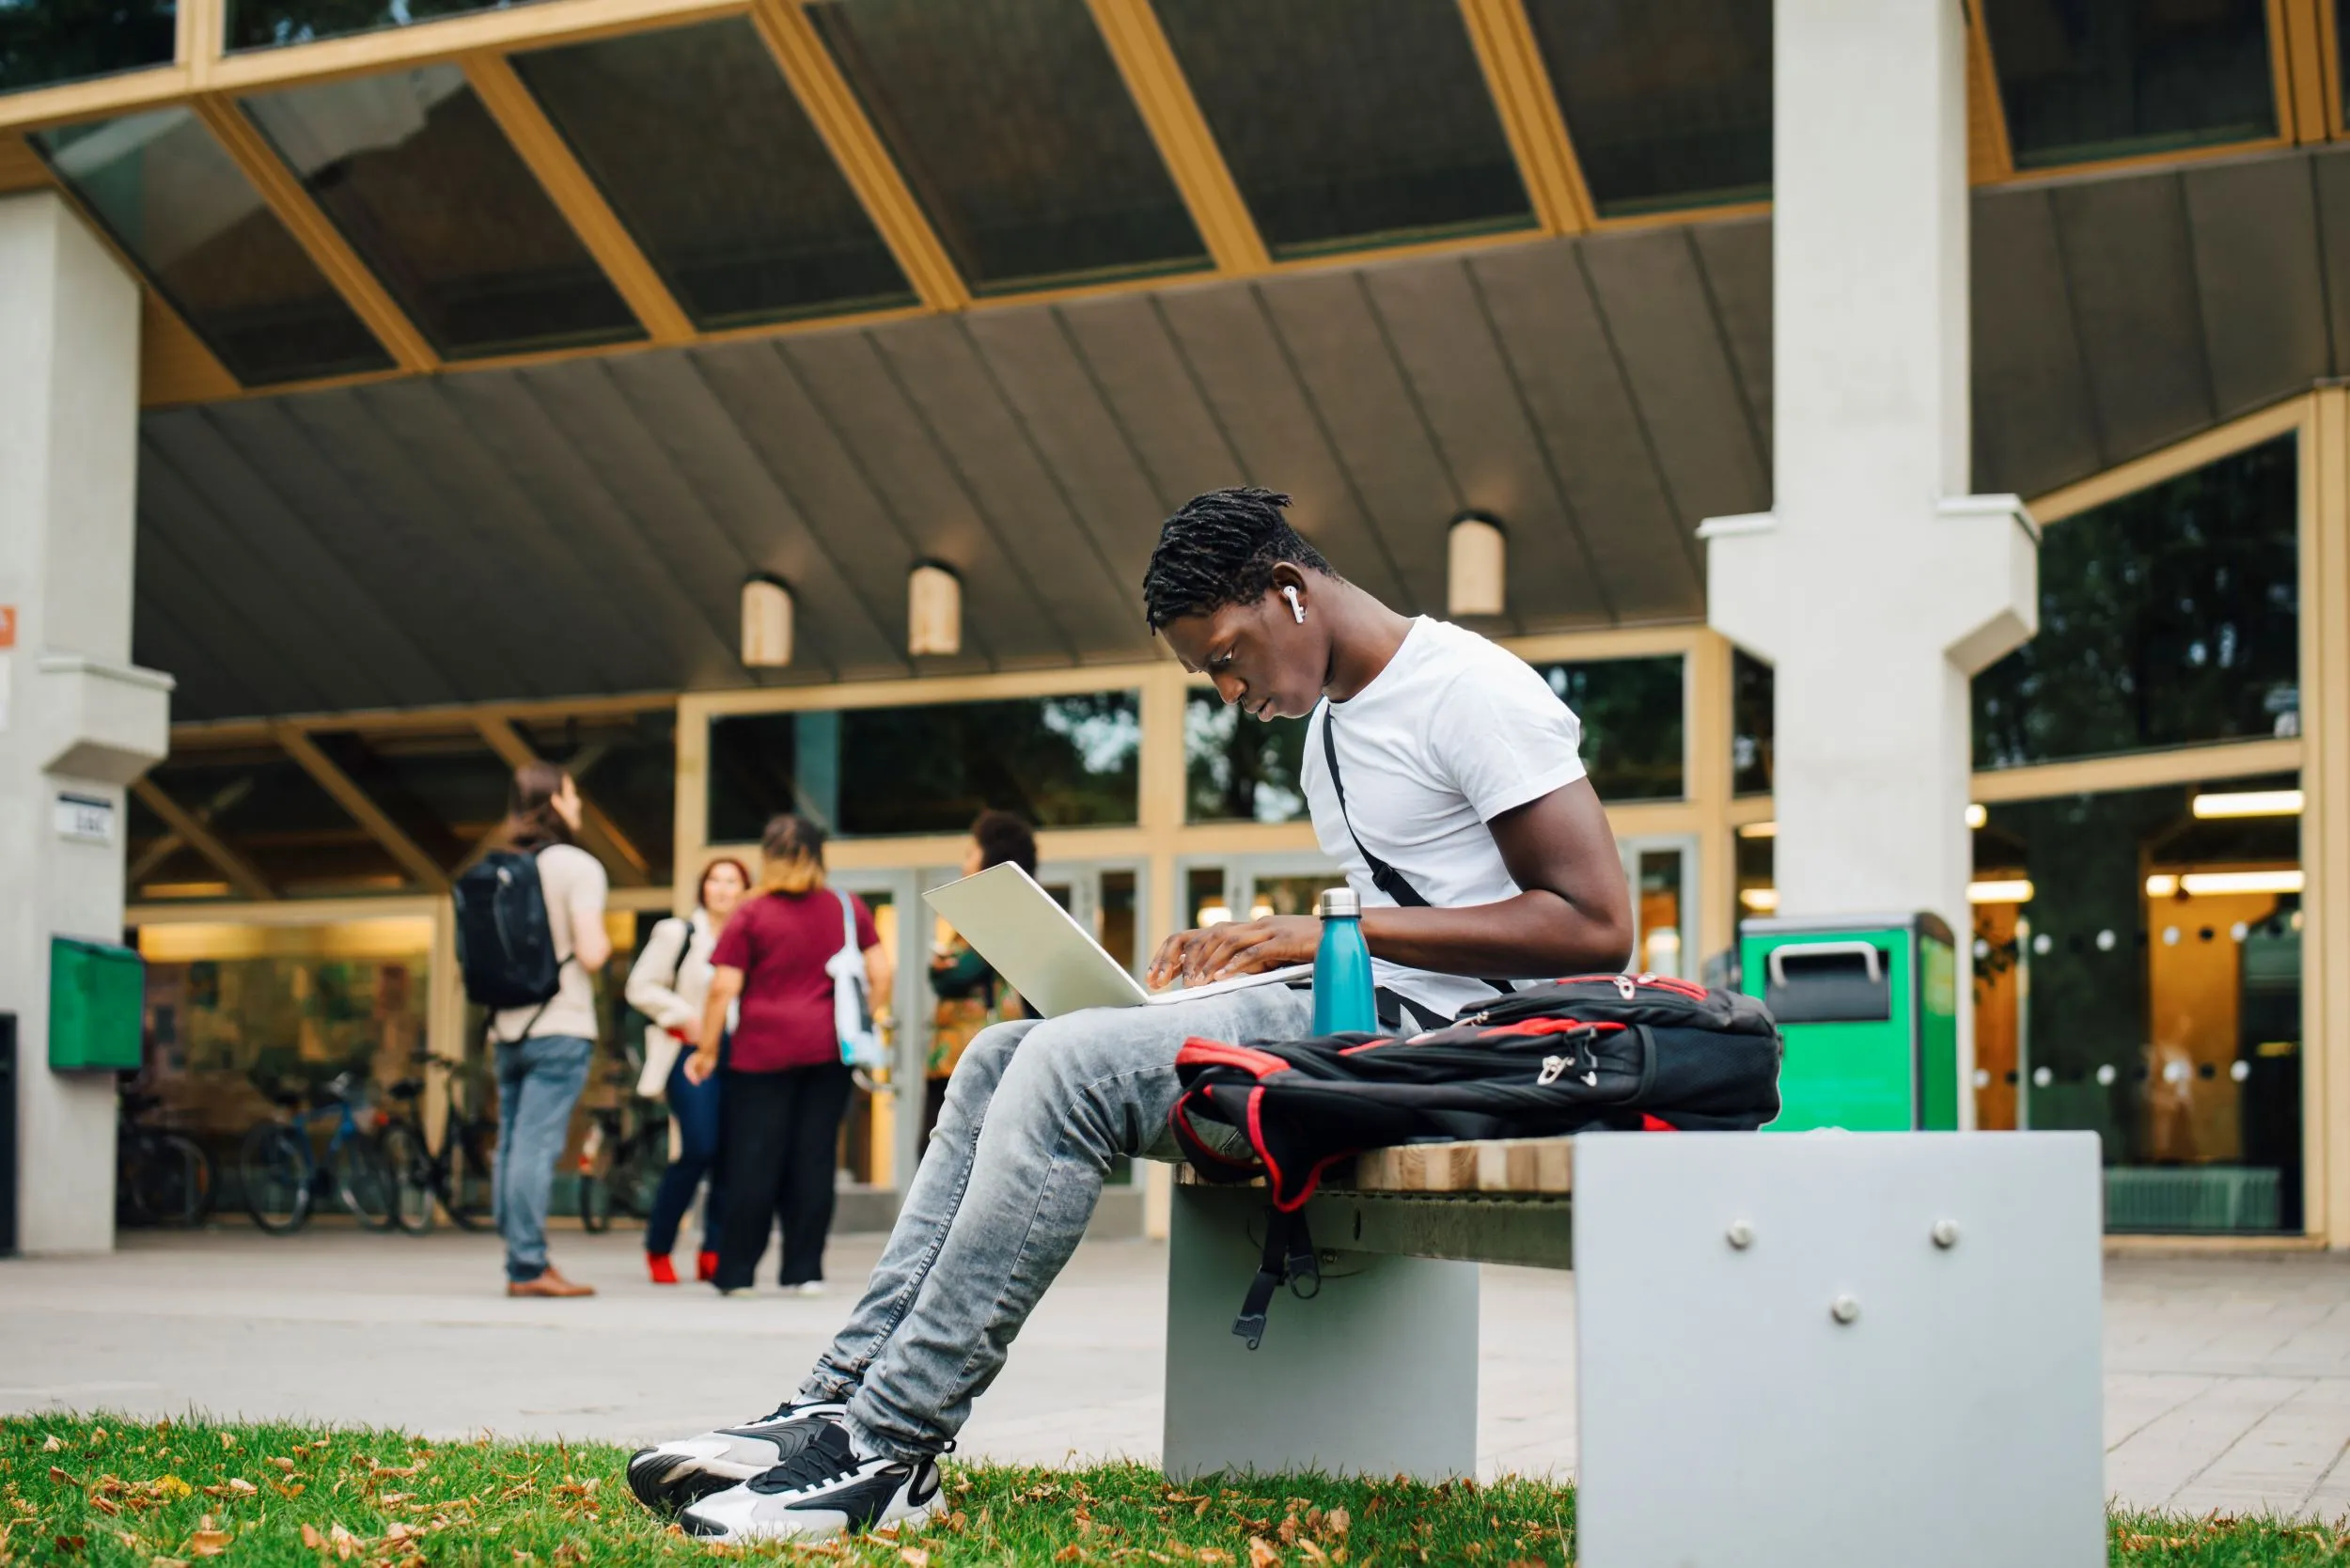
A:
[(1478, 848), (530, 936)]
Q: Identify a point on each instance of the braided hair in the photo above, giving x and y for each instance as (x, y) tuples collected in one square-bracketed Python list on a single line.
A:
[(1220, 549)]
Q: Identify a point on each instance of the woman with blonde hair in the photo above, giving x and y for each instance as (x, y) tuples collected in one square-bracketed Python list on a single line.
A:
[(669, 985), (786, 1087)]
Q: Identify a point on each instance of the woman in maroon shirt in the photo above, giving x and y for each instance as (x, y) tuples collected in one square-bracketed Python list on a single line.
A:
[(786, 1087)]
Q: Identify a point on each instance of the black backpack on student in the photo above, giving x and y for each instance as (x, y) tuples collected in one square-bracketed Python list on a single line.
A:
[(1632, 1052), (505, 947)]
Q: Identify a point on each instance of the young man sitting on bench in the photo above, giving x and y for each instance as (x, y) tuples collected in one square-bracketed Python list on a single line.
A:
[(1461, 778)]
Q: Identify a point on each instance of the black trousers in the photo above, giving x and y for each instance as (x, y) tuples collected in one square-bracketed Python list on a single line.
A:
[(781, 1134)]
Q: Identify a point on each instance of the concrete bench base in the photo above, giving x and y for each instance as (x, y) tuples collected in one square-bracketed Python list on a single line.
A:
[(1375, 1375)]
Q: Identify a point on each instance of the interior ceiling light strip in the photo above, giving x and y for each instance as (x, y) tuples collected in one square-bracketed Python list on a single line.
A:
[(2204, 885), (2250, 802)]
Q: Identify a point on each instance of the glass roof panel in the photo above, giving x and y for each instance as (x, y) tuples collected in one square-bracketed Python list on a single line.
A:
[(704, 153), (1348, 124), (2123, 77), (413, 171), (43, 41), (1668, 101), (183, 211), (1013, 129), (267, 24)]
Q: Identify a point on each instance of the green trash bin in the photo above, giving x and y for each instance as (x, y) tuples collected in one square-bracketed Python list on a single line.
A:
[(96, 994), (1868, 1005)]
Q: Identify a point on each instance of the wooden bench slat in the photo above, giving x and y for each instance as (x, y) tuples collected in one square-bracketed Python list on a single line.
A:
[(1519, 1167), (1531, 1167)]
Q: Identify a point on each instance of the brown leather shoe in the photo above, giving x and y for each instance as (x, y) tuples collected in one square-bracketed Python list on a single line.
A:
[(551, 1283)]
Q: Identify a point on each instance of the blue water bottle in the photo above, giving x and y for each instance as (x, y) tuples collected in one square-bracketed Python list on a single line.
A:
[(1344, 1001)]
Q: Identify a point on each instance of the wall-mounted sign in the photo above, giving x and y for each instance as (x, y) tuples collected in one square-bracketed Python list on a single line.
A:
[(85, 818)]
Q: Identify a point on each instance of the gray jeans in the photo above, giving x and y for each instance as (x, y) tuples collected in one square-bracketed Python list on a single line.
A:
[(539, 1082), (1034, 1115)]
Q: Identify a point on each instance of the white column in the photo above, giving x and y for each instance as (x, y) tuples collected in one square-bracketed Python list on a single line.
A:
[(1877, 585), (75, 716)]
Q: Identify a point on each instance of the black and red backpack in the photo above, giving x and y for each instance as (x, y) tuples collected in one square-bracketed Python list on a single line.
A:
[(1633, 1052)]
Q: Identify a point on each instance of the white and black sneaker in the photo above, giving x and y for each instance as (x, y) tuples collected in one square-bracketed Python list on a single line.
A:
[(823, 1490), (671, 1475)]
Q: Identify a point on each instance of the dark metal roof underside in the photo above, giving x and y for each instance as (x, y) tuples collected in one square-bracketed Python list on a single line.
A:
[(585, 527)]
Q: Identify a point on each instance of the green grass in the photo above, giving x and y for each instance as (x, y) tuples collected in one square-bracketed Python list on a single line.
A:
[(105, 1490)]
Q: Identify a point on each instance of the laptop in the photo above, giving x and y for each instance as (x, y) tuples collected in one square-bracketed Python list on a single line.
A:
[(1052, 961)]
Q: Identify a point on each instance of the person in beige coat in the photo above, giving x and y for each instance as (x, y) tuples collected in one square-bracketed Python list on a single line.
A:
[(669, 985)]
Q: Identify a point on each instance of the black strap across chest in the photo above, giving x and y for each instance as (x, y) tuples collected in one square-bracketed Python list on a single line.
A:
[(1382, 876)]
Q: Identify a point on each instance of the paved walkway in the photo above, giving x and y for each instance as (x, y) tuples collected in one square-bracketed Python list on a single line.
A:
[(2226, 1379)]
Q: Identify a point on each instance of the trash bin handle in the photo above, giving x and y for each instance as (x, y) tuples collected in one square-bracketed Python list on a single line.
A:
[(1821, 949)]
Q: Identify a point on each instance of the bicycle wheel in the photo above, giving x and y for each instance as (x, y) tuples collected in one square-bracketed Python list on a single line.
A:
[(411, 1178), (595, 1184), (362, 1180), (636, 1180), (465, 1190), (172, 1179), (131, 1182), (274, 1168)]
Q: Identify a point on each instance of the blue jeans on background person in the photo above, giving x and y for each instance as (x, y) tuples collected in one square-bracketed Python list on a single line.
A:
[(696, 1107), (1034, 1113), (539, 1082)]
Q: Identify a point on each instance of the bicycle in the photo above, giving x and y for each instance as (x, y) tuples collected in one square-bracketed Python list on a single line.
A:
[(161, 1177), (623, 1157), (283, 1180), (457, 1174)]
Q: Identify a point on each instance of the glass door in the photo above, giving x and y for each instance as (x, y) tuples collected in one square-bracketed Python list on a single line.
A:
[(1662, 872)]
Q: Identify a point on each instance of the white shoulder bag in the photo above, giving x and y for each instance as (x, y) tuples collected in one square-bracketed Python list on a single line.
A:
[(852, 1009)]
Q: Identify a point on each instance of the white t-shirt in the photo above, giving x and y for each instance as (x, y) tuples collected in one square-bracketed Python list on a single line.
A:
[(1452, 734), (569, 878)]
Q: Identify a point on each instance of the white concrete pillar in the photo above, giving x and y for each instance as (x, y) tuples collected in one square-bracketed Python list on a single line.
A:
[(1877, 585), (75, 716)]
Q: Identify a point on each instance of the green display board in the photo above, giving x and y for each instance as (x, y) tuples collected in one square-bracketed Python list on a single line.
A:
[(97, 993), (1868, 1008)]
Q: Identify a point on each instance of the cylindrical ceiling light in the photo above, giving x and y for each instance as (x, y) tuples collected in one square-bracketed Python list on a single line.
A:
[(934, 610), (1476, 560), (766, 622)]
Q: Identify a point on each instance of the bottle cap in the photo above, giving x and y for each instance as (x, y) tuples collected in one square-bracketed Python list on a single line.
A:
[(1340, 903)]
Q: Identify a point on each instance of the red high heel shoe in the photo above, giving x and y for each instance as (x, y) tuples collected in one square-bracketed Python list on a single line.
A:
[(705, 1268), (663, 1272)]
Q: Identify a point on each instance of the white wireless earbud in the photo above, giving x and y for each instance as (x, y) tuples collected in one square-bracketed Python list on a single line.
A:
[(1296, 609)]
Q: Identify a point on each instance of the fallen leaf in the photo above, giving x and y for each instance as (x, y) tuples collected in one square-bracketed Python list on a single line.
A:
[(311, 1538), (228, 1440), (168, 1562), (1313, 1553), (284, 1464), (913, 1557), (72, 1543), (1214, 1555), (209, 1543), (390, 1497), (242, 1488), (1262, 1553), (1337, 1523), (58, 1478), (104, 1507), (345, 1543), (51, 1447), (287, 1488), (1067, 1553), (98, 1434)]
